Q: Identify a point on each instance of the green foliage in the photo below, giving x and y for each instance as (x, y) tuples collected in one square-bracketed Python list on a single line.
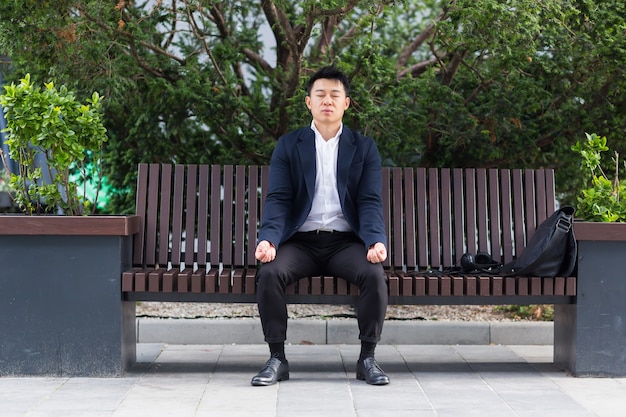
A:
[(539, 312), (480, 83), (604, 199), (5, 181), (49, 124)]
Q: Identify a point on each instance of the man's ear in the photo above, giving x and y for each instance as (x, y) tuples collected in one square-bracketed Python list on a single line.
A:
[(307, 100), (347, 103)]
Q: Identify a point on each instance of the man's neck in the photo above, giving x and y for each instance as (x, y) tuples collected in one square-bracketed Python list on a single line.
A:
[(327, 131)]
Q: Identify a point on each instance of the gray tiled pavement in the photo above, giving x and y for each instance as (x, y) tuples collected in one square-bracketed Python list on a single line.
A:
[(426, 381)]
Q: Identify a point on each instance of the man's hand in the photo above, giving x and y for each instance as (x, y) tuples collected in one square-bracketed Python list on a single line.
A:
[(377, 253), (265, 251)]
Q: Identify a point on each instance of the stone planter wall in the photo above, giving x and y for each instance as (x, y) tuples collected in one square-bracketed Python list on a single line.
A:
[(592, 332), (61, 311)]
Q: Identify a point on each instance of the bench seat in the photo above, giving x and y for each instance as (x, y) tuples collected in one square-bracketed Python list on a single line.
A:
[(199, 227)]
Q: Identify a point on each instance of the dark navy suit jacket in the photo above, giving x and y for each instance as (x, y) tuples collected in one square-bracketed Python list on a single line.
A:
[(292, 185)]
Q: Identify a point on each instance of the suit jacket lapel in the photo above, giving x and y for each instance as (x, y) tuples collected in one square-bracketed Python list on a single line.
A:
[(344, 161), (306, 152)]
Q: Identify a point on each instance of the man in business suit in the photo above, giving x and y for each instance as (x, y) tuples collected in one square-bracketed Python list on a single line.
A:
[(323, 216)]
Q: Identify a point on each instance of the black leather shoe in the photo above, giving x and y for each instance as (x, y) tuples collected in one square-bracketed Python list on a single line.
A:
[(275, 370), (368, 370)]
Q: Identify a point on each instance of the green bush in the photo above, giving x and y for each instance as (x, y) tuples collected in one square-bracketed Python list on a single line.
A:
[(57, 142), (604, 199), (539, 312)]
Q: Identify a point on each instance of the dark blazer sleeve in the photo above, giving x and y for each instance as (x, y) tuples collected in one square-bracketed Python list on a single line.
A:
[(288, 202), (361, 194)]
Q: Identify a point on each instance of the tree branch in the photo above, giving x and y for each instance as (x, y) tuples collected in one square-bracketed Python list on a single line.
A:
[(418, 68), (202, 38), (130, 37), (258, 59)]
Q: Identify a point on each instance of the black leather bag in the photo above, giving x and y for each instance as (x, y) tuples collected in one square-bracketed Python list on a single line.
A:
[(551, 251)]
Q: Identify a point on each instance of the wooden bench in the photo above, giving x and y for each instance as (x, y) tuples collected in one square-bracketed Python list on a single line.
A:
[(199, 225), (200, 222)]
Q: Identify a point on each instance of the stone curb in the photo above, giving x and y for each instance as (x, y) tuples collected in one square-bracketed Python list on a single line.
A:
[(306, 331)]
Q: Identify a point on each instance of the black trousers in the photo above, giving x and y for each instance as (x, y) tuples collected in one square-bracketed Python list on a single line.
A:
[(340, 254)]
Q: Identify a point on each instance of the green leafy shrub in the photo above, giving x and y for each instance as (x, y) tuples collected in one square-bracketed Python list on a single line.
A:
[(604, 199), (57, 142), (538, 312)]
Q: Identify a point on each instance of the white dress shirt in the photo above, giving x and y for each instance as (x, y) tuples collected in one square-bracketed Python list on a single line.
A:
[(326, 213)]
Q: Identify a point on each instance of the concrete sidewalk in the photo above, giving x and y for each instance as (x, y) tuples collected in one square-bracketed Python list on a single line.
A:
[(345, 331), (426, 381)]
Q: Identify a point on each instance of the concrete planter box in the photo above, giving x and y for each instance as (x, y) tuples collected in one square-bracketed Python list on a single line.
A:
[(61, 311), (594, 328)]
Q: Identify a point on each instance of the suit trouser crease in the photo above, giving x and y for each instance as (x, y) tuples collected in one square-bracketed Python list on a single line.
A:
[(324, 254)]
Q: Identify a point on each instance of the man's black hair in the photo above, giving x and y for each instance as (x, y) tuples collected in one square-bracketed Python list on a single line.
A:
[(329, 73)]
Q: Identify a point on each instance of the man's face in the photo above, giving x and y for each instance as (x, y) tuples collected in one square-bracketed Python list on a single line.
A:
[(327, 101)]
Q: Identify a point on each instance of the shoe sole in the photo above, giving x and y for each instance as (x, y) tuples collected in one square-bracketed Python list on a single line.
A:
[(266, 384), (361, 377)]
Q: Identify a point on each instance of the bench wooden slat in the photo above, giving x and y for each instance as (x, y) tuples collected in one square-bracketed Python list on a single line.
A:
[(393, 284), (497, 286), (190, 214), (211, 280), (433, 216), (471, 286), (253, 213), (328, 285), (506, 243), (470, 211), (459, 217), (540, 188), (140, 207), (531, 206), (410, 234), (170, 281), (152, 215), (421, 214), (250, 281), (184, 280), (141, 281), (165, 194), (447, 254), (216, 214), (523, 286), (396, 226), (495, 220), (237, 281), (570, 287), (241, 210), (419, 288), (178, 211), (198, 280), (155, 280), (445, 286), (203, 215), (128, 280), (519, 231), (481, 210), (227, 217), (458, 286), (223, 283), (548, 286)]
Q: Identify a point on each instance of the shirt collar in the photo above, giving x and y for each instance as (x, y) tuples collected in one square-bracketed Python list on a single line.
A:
[(318, 134)]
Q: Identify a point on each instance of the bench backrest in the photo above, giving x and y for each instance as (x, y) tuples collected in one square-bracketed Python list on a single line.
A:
[(205, 215)]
